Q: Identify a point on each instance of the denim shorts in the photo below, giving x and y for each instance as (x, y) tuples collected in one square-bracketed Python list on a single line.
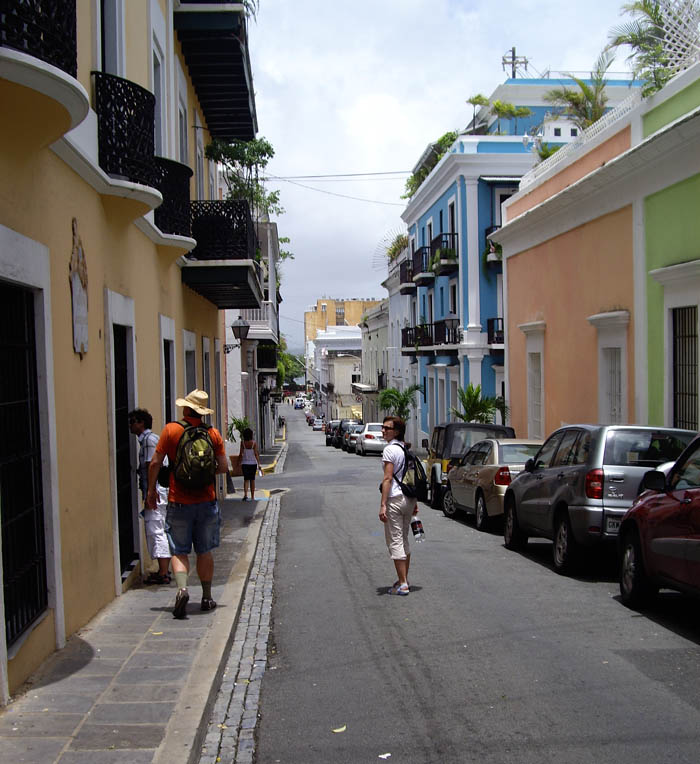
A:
[(198, 524)]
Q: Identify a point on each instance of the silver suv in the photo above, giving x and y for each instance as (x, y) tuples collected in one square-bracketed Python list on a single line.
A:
[(580, 484)]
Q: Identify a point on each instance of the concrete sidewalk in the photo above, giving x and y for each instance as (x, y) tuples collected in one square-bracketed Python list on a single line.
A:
[(135, 685)]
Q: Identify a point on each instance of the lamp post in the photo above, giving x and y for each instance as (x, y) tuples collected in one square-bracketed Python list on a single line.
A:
[(240, 328)]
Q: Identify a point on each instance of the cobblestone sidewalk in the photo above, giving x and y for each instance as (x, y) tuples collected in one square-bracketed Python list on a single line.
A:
[(230, 736)]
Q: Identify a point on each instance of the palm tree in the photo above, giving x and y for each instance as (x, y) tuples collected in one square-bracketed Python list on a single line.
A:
[(477, 100), (502, 110), (476, 408), (644, 35), (587, 104), (520, 112), (398, 402)]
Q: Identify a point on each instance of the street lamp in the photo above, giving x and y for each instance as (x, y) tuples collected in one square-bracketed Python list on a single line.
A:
[(240, 328)]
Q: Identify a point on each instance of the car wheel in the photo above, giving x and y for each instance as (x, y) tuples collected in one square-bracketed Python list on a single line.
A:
[(449, 505), (513, 537), (481, 519), (635, 587), (435, 493), (565, 552)]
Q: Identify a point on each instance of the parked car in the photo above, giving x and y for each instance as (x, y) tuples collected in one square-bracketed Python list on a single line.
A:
[(310, 416), (478, 483), (370, 439), (299, 403), (350, 437), (341, 430), (318, 425), (582, 481), (659, 538), (330, 431), (448, 444)]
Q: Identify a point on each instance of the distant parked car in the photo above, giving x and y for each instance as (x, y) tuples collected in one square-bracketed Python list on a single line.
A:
[(581, 483), (318, 425), (330, 430), (299, 403), (350, 437), (659, 538), (478, 484), (341, 430), (370, 439), (448, 444)]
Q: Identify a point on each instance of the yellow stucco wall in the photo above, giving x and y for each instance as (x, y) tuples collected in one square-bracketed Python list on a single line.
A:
[(562, 282), (319, 319)]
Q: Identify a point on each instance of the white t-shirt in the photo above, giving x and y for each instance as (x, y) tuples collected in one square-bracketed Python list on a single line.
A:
[(394, 453)]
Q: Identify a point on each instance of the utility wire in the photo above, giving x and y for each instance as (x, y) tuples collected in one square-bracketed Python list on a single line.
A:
[(343, 196), (340, 175)]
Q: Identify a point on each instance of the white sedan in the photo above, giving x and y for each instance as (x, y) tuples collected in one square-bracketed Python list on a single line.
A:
[(370, 440), (318, 425)]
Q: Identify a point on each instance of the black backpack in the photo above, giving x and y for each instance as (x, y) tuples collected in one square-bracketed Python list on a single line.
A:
[(195, 460), (413, 482)]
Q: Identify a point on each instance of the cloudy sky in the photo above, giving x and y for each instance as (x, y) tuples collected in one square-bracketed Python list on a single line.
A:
[(363, 87)]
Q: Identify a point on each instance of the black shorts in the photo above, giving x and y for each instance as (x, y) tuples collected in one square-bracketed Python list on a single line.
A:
[(249, 471)]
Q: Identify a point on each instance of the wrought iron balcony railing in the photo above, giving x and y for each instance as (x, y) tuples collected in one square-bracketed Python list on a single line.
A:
[(125, 129), (406, 272), (44, 29), (494, 329), (224, 230), (421, 260), (444, 246), (173, 216), (417, 336)]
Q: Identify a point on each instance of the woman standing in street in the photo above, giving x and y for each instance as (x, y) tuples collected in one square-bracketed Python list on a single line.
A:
[(250, 463)]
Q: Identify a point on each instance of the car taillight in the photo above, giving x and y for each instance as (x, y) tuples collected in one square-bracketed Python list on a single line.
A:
[(368, 436), (502, 477), (594, 484)]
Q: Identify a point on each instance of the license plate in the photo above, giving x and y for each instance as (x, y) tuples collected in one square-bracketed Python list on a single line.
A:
[(612, 524)]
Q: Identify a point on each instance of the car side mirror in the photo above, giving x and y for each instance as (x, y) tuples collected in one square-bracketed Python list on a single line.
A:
[(530, 465), (424, 443), (654, 481)]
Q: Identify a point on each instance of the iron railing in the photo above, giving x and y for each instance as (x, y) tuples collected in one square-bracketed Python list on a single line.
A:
[(494, 329), (444, 246), (125, 129), (224, 230), (417, 336), (406, 272), (44, 29), (421, 260), (173, 216), (267, 357), (445, 336)]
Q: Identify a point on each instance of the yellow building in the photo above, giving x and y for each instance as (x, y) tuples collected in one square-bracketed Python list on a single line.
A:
[(329, 312), (115, 268)]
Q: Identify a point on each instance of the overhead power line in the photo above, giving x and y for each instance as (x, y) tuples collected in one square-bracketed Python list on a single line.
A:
[(340, 175), (332, 193)]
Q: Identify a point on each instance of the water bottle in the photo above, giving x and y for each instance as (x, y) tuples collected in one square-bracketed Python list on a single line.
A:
[(417, 528)]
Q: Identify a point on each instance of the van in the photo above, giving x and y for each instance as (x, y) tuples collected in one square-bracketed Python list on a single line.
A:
[(450, 441)]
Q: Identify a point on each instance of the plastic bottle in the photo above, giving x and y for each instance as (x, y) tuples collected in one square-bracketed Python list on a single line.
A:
[(417, 528)]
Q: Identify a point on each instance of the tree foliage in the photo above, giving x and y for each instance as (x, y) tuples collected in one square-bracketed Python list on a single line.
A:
[(477, 100), (475, 407), (397, 402), (243, 163), (587, 104), (289, 366), (442, 146), (397, 246)]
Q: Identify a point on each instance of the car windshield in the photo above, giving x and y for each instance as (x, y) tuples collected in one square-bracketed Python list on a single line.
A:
[(517, 453), (463, 438), (374, 428), (635, 448)]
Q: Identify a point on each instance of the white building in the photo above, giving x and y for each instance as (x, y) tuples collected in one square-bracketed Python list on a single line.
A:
[(337, 363)]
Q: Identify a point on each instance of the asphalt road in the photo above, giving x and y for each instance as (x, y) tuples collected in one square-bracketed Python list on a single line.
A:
[(492, 658)]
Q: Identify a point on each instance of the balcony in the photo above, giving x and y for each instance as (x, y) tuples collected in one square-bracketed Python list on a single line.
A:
[(173, 216), (263, 322), (222, 267), (492, 251), (38, 59), (442, 335), (266, 358), (417, 340), (444, 254), (494, 329), (422, 275), (125, 129), (407, 286), (215, 47)]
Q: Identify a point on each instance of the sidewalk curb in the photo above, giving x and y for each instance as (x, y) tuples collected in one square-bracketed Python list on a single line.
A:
[(185, 732), (270, 468)]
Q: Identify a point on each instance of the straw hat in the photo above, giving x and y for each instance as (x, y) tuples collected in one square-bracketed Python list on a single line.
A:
[(197, 400)]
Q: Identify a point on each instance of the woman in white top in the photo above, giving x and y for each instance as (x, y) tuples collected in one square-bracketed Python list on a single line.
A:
[(250, 463), (396, 509)]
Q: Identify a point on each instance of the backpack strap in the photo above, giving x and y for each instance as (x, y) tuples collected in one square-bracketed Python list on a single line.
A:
[(399, 480)]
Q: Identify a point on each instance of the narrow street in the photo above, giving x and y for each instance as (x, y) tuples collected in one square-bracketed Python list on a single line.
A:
[(492, 658)]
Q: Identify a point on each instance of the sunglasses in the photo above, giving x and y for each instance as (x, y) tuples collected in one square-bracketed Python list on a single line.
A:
[(387, 428)]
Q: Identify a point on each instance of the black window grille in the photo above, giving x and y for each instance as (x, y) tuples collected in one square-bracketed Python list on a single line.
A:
[(21, 497), (685, 367)]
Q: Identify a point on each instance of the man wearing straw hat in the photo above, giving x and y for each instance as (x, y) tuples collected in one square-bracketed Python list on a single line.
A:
[(193, 514)]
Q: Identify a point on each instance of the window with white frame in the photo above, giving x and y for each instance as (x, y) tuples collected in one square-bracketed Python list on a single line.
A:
[(451, 218), (182, 132), (190, 345), (158, 92), (453, 297), (112, 36), (199, 159), (206, 374), (534, 346), (612, 365)]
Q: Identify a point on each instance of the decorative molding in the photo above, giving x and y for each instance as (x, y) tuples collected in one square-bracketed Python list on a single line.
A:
[(674, 275), (611, 319), (533, 327)]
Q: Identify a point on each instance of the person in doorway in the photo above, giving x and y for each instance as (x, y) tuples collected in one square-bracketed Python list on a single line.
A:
[(250, 463), (140, 423), (193, 516), (395, 509)]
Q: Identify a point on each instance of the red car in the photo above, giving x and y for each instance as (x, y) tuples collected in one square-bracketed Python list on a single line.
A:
[(660, 533)]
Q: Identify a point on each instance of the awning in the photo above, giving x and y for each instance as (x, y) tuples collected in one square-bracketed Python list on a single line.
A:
[(361, 389)]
